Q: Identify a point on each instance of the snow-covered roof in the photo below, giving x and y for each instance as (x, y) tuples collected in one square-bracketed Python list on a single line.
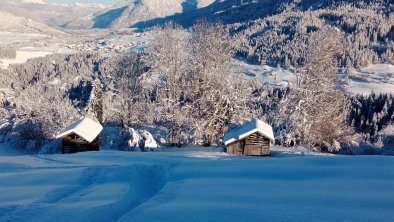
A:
[(86, 128), (248, 128)]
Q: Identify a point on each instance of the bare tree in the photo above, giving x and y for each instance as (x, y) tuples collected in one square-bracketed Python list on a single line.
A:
[(168, 60), (218, 96), (123, 92), (316, 108)]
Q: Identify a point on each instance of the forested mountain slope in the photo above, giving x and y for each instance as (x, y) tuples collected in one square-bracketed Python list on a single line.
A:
[(271, 31)]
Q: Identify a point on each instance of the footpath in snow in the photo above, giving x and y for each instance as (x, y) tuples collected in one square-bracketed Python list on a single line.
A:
[(195, 186)]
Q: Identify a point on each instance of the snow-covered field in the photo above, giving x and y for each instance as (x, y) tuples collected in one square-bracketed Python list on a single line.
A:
[(271, 76), (11, 37), (22, 57), (378, 78), (195, 185)]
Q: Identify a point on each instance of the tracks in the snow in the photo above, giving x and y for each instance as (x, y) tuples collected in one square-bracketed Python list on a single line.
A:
[(101, 192)]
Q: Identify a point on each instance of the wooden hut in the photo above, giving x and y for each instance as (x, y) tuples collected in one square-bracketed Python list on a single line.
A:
[(252, 138), (81, 136)]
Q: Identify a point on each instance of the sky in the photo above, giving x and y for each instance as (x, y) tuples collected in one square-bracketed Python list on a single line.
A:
[(107, 2)]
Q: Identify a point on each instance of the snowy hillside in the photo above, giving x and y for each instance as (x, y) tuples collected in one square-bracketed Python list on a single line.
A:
[(377, 77), (48, 13), (126, 14), (20, 24), (195, 186), (22, 57)]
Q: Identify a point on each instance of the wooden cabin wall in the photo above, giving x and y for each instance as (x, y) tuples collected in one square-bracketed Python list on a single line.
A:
[(256, 144), (236, 148), (230, 148), (74, 144)]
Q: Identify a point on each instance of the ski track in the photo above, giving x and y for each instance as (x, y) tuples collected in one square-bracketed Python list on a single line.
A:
[(195, 186), (135, 183)]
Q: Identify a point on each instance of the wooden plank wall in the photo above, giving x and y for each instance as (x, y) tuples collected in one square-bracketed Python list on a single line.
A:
[(253, 145), (256, 144), (236, 148), (75, 146)]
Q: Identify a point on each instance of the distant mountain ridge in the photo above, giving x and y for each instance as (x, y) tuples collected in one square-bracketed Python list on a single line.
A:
[(20, 24), (130, 12), (48, 13)]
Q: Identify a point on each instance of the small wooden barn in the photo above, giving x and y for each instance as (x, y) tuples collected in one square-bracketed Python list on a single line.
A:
[(252, 139), (81, 136)]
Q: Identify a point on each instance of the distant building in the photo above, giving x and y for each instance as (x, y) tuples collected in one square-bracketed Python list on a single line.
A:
[(252, 138), (81, 136)]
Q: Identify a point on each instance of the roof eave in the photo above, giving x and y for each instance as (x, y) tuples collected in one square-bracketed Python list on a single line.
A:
[(243, 136)]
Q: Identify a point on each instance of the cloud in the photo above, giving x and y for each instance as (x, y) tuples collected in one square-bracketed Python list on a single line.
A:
[(34, 1)]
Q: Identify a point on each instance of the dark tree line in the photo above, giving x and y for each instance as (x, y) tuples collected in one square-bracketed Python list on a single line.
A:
[(372, 113)]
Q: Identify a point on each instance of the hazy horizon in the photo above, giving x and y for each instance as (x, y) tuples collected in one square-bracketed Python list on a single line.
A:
[(107, 2)]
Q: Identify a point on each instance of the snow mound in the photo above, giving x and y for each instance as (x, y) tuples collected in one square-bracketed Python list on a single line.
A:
[(150, 143), (135, 141)]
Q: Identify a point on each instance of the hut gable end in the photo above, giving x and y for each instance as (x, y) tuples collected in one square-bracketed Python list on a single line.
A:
[(86, 128), (252, 138), (247, 129), (83, 135)]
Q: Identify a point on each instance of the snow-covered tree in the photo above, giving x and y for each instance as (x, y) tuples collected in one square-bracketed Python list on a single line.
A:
[(316, 108), (42, 111), (168, 61), (96, 106)]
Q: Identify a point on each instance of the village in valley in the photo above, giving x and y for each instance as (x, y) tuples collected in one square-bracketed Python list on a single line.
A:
[(196, 110)]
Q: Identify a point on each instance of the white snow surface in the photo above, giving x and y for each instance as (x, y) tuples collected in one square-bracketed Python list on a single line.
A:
[(244, 130), (270, 76), (22, 57), (7, 150), (195, 186), (86, 128), (377, 77), (149, 141), (129, 12)]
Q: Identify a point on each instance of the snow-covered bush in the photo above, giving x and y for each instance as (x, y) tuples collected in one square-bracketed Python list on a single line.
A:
[(136, 141), (7, 52), (52, 147), (315, 108), (149, 143), (114, 138), (141, 140), (41, 112), (387, 135), (29, 135)]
